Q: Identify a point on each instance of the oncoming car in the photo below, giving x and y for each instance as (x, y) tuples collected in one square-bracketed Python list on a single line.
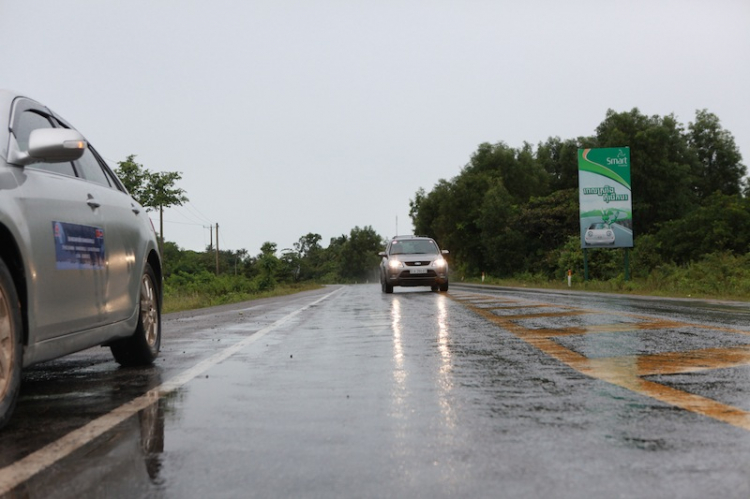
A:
[(79, 260), (599, 233), (413, 261)]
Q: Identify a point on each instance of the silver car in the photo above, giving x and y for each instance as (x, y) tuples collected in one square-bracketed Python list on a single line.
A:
[(413, 261), (79, 261), (599, 234)]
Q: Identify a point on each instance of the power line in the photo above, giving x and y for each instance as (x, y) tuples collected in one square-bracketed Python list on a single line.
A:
[(192, 213), (199, 214), (182, 223)]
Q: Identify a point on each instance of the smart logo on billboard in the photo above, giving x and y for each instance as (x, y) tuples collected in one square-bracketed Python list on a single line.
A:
[(606, 202)]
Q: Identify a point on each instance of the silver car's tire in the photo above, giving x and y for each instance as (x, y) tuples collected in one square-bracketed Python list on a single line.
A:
[(444, 287), (143, 347), (384, 286), (10, 345)]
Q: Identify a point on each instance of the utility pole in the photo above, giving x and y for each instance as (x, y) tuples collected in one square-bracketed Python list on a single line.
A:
[(217, 248), (161, 229)]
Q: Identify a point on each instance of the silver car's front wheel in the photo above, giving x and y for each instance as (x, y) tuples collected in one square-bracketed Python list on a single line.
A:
[(143, 347), (10, 345), (149, 310)]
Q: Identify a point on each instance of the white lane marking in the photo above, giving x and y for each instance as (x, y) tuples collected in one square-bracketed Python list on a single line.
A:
[(15, 474)]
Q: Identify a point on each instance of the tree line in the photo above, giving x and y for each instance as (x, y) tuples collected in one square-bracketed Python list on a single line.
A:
[(511, 212), (348, 258), (514, 211), (219, 273)]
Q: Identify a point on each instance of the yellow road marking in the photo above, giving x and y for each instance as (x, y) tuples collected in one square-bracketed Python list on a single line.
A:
[(693, 361), (628, 371)]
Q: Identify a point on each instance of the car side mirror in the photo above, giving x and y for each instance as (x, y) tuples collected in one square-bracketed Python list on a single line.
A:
[(382, 254), (445, 252), (51, 145)]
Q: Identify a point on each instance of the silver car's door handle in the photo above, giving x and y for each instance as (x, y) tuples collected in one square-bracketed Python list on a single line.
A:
[(135, 209), (92, 202)]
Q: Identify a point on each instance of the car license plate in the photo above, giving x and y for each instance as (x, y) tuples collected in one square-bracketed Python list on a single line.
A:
[(418, 271)]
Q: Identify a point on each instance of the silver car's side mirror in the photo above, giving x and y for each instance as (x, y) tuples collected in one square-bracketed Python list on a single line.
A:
[(445, 252), (50, 145)]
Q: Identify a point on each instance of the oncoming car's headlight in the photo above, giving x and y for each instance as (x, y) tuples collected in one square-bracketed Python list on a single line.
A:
[(440, 263), (395, 264)]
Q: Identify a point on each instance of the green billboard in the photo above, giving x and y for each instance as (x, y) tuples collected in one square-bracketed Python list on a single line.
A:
[(606, 208)]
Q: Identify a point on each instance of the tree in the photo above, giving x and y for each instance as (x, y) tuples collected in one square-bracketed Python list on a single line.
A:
[(718, 167), (661, 165), (546, 224), (330, 260), (560, 160), (290, 266), (135, 178), (450, 214), (425, 210), (161, 193), (151, 190), (528, 178), (359, 255), (722, 224), (310, 256), (458, 212), (503, 246), (268, 265), (521, 174)]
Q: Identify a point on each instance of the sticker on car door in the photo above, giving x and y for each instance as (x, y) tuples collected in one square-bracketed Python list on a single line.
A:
[(78, 246)]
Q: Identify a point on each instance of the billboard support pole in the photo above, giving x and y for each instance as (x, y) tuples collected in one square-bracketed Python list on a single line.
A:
[(627, 264), (585, 264)]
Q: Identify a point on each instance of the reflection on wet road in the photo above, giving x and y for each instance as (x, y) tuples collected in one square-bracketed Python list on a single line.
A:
[(590, 330), (348, 392)]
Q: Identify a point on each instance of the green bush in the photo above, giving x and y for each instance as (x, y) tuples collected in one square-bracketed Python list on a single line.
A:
[(717, 275), (184, 291)]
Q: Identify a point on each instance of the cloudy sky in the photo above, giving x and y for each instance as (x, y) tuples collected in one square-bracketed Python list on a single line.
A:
[(289, 117)]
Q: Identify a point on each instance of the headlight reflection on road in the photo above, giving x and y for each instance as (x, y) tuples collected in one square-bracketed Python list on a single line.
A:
[(445, 376), (398, 347), (443, 336)]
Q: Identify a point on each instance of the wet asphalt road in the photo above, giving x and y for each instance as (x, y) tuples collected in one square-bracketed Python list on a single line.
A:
[(347, 392)]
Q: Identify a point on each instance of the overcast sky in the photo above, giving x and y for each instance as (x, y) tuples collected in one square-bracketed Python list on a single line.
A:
[(290, 117)]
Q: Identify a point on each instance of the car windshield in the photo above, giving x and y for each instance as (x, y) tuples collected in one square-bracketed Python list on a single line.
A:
[(414, 247)]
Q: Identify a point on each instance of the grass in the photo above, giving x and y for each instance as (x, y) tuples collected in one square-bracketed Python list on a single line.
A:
[(671, 285), (176, 301), (717, 276), (716, 289)]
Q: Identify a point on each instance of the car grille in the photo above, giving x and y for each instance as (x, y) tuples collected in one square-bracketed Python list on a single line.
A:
[(405, 275), (418, 264)]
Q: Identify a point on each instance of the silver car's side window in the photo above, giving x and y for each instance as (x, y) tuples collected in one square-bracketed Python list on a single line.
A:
[(91, 170), (97, 170), (28, 122), (116, 184)]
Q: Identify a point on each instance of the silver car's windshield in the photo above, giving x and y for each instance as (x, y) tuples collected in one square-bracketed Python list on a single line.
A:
[(416, 247)]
